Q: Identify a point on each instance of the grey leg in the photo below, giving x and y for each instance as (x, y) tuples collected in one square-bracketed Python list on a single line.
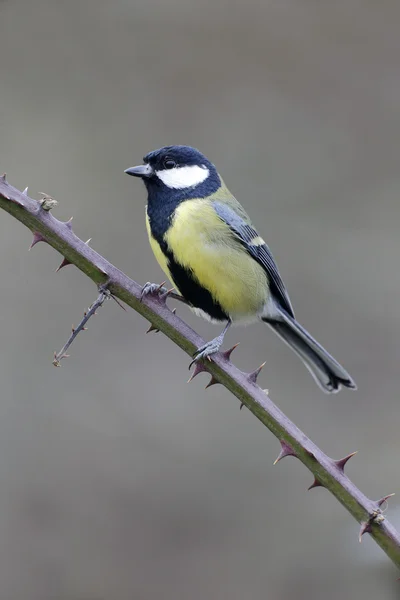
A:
[(211, 347)]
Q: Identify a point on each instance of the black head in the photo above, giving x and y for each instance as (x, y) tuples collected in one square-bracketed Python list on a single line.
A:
[(177, 173)]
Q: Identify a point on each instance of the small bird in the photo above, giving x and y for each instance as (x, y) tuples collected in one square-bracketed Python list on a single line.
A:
[(206, 244)]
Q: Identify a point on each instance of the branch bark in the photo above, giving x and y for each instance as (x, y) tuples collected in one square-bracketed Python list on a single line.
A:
[(327, 472)]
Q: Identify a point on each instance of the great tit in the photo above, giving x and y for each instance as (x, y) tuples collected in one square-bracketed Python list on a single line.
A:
[(207, 246)]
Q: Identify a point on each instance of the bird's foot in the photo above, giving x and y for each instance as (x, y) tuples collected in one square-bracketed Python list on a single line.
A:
[(153, 289), (208, 349)]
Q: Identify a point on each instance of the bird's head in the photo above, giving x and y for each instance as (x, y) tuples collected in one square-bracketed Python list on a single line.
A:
[(179, 171)]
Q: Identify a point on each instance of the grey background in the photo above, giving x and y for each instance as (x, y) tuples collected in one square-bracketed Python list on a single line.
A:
[(117, 479)]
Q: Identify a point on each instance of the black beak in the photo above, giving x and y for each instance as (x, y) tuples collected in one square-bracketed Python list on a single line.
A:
[(143, 171)]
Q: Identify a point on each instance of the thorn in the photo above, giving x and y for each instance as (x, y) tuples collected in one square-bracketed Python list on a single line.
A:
[(212, 381), (315, 484), (37, 237), (88, 241), (160, 287), (64, 263), (118, 302), (343, 461), (365, 528), (69, 223), (198, 368), (384, 499), (286, 450), (227, 353), (253, 376), (25, 192), (174, 311), (3, 177), (241, 406), (152, 328), (165, 295), (73, 329)]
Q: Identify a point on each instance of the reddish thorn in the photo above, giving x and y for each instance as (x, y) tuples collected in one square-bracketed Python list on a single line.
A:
[(342, 462), (152, 328), (315, 484), (84, 328), (161, 286), (365, 528), (212, 381), (286, 450), (253, 376), (384, 499), (64, 263), (25, 192), (198, 368), (3, 177), (73, 329), (227, 353), (165, 295), (37, 237)]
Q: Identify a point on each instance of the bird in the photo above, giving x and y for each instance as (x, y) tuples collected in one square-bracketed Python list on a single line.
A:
[(205, 243)]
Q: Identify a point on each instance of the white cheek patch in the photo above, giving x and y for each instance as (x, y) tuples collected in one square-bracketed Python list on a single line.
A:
[(180, 178)]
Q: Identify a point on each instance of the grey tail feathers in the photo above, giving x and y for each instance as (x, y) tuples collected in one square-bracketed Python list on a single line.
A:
[(327, 372)]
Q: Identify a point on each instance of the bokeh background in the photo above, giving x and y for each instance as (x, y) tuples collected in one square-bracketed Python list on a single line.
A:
[(118, 480)]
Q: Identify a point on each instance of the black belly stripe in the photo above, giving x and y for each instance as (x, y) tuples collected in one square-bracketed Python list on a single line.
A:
[(192, 291)]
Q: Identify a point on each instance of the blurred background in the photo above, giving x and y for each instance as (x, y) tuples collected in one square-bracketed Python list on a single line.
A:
[(118, 480)]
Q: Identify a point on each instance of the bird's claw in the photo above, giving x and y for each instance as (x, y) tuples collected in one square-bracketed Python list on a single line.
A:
[(207, 350), (152, 289)]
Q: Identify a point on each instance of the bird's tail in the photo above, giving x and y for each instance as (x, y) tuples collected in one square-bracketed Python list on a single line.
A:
[(327, 372)]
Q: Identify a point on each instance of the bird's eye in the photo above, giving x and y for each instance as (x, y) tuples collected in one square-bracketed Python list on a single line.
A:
[(169, 163)]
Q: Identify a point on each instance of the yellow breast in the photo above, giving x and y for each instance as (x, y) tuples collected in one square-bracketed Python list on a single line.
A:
[(203, 243)]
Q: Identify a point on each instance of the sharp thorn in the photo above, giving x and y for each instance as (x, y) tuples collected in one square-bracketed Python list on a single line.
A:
[(3, 177), (160, 287), (118, 302), (254, 375), (152, 328), (365, 528), (384, 499), (174, 311), (315, 484), (84, 328), (88, 241), (198, 368), (64, 263), (73, 329), (241, 406), (227, 353), (25, 192), (212, 381), (343, 461), (69, 223), (37, 237), (286, 450), (165, 295)]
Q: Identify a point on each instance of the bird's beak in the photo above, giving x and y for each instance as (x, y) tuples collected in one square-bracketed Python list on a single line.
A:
[(143, 171)]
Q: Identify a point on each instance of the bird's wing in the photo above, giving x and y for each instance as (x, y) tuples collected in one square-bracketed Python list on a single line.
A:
[(241, 226)]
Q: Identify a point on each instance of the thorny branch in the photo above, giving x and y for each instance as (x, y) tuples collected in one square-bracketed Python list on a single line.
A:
[(328, 473), (103, 296)]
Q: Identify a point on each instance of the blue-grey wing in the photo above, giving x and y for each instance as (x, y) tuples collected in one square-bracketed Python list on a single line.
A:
[(248, 236)]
